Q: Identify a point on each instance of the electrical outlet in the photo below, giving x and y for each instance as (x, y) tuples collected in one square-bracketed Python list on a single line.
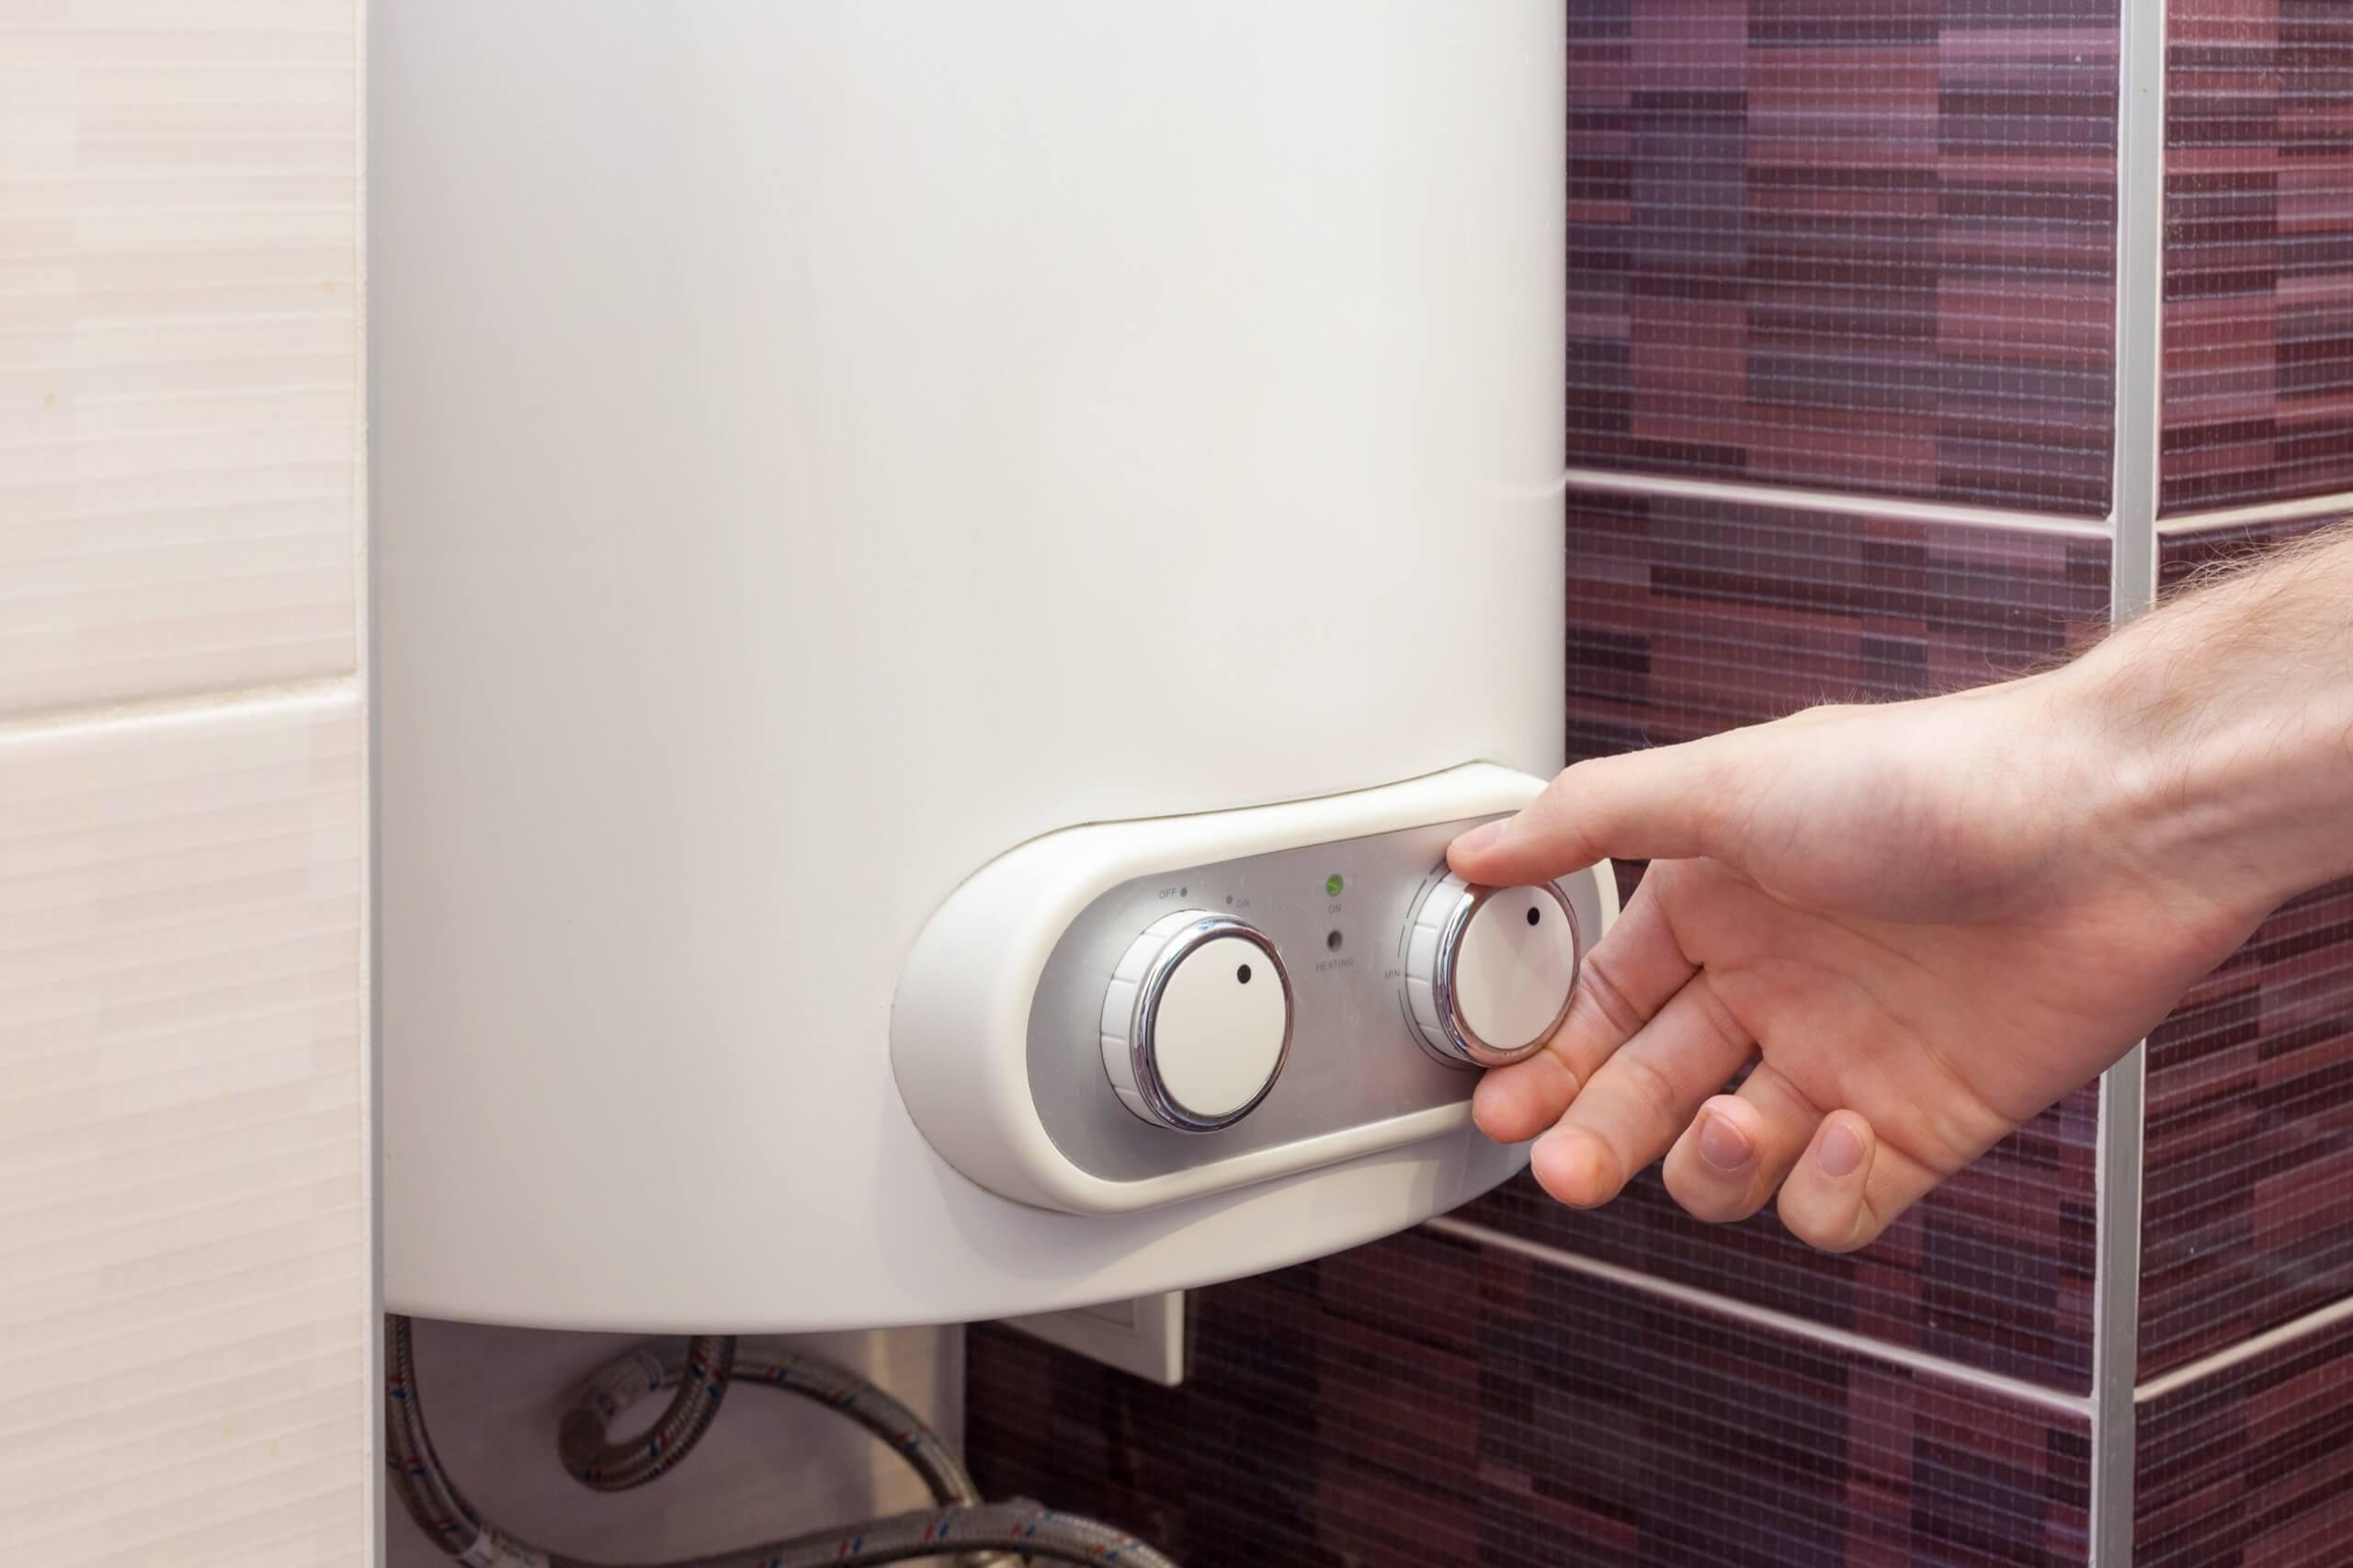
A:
[(1144, 1336)]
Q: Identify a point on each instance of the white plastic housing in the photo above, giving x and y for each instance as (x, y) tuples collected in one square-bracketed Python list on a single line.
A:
[(821, 447)]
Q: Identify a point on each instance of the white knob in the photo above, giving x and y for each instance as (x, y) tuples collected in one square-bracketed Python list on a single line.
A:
[(1489, 971), (1196, 1021)]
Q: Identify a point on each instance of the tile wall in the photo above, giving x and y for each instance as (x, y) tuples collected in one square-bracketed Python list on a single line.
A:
[(2247, 1233), (2258, 339), (184, 1237), (2252, 1463), (1431, 1400), (1850, 263), (1854, 247), (2246, 1224)]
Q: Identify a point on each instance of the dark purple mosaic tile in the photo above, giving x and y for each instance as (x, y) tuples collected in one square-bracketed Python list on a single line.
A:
[(2246, 1216), (1426, 1402), (2258, 325), (1850, 246), (2252, 1464), (1687, 618), (2245, 1223)]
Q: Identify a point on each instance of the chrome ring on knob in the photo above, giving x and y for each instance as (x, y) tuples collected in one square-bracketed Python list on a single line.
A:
[(1463, 1046), (1142, 1062)]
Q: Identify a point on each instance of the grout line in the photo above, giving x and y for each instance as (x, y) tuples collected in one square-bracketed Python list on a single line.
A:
[(2262, 512), (181, 707), (2245, 1351), (1836, 501), (1767, 1317)]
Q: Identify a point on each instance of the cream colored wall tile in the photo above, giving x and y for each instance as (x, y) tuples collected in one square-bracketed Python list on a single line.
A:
[(184, 1254), (179, 346)]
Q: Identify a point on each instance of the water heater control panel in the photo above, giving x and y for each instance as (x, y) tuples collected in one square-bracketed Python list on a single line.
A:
[(1127, 1015)]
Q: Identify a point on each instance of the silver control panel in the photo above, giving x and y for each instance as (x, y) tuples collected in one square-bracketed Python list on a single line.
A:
[(1340, 915)]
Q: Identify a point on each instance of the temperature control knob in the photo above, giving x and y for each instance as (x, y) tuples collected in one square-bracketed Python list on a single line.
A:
[(1196, 1021), (1489, 971)]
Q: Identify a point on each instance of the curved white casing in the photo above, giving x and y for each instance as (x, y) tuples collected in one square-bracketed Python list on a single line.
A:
[(820, 447)]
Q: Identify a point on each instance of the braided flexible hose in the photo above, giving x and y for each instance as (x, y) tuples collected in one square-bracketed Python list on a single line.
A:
[(453, 1523), (621, 1384), (840, 1389), (581, 1441)]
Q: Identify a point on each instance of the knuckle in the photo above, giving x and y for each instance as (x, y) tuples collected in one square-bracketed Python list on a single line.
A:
[(1600, 989), (1651, 1086), (1719, 1019)]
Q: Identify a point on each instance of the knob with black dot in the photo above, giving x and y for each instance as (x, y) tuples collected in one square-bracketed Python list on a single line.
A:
[(1196, 1021), (1489, 971)]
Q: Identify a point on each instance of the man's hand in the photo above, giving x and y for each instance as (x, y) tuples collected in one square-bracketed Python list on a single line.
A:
[(1922, 923)]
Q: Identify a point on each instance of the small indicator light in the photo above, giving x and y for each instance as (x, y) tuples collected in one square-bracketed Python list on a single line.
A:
[(1332, 885)]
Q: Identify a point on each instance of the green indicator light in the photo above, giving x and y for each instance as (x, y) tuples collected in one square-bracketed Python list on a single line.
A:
[(1332, 885)]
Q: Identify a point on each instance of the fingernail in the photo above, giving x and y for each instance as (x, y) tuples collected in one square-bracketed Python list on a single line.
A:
[(1483, 836), (1842, 1151), (1723, 1146)]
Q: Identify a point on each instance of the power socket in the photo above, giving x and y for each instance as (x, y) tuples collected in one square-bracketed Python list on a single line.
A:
[(1144, 1336)]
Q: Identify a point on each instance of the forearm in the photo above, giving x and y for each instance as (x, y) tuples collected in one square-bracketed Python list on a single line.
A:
[(2221, 726)]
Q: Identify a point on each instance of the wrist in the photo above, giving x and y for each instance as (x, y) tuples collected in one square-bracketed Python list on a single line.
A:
[(2209, 767)]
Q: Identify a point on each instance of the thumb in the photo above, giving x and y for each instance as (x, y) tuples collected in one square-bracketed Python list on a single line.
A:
[(1646, 805)]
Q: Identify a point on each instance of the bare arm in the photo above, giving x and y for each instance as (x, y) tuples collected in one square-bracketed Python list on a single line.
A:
[(1923, 923)]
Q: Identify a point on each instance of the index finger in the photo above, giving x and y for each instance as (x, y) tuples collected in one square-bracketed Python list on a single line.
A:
[(1626, 977), (1662, 804)]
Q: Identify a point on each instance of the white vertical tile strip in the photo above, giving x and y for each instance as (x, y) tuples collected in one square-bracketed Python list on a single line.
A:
[(2139, 324), (186, 1288), (178, 429)]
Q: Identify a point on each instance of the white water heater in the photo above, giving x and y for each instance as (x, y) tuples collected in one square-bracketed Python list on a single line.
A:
[(944, 572)]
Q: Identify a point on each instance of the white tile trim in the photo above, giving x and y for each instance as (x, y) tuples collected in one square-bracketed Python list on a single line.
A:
[(1768, 1318), (2288, 511), (2140, 302), (1603, 482), (2140, 329), (2116, 1305), (2245, 1349)]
